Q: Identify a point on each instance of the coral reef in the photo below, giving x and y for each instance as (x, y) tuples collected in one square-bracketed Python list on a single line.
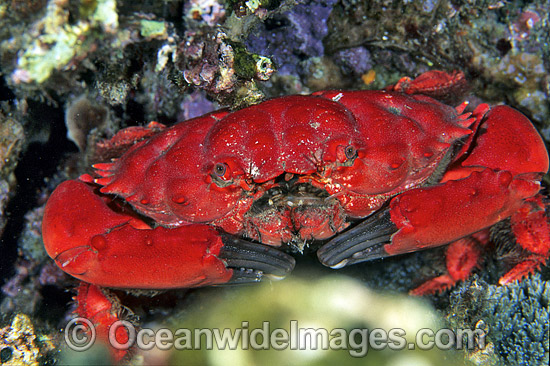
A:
[(518, 318), (515, 316), (224, 69), (503, 47), (293, 36), (21, 345), (294, 41), (52, 43), (32, 269), (11, 144)]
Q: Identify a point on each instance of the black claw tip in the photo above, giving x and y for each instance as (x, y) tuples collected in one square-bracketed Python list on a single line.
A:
[(361, 243), (254, 262)]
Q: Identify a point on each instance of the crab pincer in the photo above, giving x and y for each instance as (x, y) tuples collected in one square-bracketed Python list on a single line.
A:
[(253, 262), (101, 242), (363, 242)]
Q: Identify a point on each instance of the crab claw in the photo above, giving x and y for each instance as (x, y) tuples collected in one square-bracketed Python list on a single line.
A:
[(361, 243), (253, 262), (94, 240)]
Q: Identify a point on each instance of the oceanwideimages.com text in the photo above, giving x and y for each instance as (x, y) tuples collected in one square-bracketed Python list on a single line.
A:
[(80, 335)]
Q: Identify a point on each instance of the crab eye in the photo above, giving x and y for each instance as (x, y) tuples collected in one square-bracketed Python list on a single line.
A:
[(220, 169), (350, 152)]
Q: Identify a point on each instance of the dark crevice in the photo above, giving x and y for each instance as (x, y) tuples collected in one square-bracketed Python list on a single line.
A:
[(5, 92), (37, 162), (54, 304)]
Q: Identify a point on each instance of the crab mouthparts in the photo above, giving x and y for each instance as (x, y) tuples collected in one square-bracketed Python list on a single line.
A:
[(294, 212), (292, 194)]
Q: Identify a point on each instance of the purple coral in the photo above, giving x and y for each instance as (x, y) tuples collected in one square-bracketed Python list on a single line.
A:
[(294, 36), (356, 60), (194, 105)]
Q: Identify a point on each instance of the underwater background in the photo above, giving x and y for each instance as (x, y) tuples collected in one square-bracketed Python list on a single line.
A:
[(75, 72)]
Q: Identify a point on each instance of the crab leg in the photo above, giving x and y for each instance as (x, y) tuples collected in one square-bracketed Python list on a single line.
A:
[(103, 309), (94, 243), (461, 258), (531, 228)]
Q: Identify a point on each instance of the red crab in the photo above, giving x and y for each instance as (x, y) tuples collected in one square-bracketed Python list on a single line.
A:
[(179, 208)]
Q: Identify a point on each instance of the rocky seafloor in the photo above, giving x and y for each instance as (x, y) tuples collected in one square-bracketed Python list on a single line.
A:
[(75, 72)]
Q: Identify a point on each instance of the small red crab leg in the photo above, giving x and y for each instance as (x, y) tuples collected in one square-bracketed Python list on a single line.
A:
[(461, 258), (434, 83), (103, 310), (531, 228), (94, 243)]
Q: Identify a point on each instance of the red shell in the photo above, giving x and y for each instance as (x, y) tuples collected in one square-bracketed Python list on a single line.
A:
[(399, 140)]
